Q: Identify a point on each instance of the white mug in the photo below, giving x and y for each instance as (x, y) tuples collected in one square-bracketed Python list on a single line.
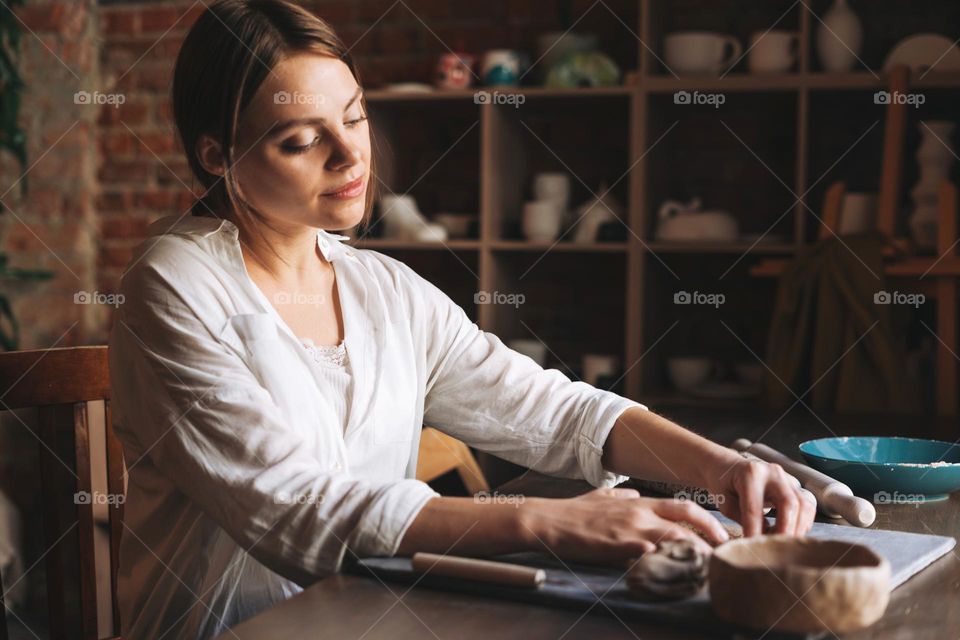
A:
[(700, 52), (772, 51), (541, 220)]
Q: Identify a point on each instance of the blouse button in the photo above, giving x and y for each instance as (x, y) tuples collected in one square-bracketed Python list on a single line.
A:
[(338, 467)]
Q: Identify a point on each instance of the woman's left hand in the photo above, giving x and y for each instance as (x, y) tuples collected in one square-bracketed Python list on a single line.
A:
[(744, 487)]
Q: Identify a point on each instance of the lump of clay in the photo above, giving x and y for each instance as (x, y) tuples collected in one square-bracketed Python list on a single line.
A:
[(677, 569)]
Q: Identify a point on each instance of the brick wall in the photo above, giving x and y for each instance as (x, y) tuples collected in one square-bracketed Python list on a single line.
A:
[(54, 225), (117, 168)]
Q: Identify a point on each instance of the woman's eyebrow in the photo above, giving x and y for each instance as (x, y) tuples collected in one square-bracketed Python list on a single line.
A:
[(286, 124)]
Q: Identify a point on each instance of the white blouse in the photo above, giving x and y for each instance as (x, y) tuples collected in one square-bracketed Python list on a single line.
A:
[(243, 487)]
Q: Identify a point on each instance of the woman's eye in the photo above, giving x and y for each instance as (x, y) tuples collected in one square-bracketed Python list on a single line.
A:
[(352, 123), (300, 148)]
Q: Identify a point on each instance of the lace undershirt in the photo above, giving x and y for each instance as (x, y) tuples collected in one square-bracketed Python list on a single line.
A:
[(334, 369)]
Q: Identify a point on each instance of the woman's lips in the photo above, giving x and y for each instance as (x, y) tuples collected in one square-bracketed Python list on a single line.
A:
[(349, 190)]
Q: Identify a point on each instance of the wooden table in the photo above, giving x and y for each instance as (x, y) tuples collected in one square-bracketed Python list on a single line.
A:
[(353, 607)]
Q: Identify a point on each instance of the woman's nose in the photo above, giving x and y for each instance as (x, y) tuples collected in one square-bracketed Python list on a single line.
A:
[(344, 155)]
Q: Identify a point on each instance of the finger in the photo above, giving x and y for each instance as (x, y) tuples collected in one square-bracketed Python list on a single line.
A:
[(695, 515), (623, 492), (808, 511), (602, 492), (750, 485), (785, 498)]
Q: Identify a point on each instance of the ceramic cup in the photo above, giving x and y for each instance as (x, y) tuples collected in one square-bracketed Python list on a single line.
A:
[(552, 186), (454, 71), (556, 188), (772, 51), (502, 67), (596, 366), (534, 349), (858, 213), (687, 372), (700, 52), (541, 220)]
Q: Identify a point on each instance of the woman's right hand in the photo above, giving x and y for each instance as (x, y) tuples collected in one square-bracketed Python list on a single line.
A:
[(611, 526)]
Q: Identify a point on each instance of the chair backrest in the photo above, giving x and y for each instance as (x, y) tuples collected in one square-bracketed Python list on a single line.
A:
[(440, 453), (64, 384)]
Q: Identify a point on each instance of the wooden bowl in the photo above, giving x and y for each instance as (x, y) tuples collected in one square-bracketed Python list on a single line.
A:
[(800, 585)]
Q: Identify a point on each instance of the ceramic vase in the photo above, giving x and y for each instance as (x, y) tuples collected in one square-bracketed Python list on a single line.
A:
[(839, 37)]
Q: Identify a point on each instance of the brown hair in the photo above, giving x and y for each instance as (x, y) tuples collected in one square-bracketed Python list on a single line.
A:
[(227, 54)]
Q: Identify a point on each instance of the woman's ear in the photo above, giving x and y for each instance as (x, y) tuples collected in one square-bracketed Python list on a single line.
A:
[(210, 155)]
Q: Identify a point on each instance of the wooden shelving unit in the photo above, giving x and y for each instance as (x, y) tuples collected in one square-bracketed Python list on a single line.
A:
[(775, 136)]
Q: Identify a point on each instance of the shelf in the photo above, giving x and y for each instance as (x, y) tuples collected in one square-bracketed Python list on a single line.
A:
[(732, 82), (916, 267), (817, 81), (868, 81), (412, 245), (385, 95), (720, 247), (571, 247), (775, 135)]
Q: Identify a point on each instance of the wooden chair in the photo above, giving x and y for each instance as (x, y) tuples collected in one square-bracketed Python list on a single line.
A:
[(440, 454), (63, 384)]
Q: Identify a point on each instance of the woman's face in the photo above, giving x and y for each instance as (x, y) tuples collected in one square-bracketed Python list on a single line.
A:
[(303, 145)]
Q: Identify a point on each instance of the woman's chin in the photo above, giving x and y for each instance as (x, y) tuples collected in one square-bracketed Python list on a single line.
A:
[(344, 215)]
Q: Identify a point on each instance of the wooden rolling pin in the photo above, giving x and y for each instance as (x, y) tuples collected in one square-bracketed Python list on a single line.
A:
[(834, 498), (476, 569)]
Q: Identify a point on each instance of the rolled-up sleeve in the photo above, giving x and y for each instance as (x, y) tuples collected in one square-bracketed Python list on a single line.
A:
[(501, 401), (192, 406)]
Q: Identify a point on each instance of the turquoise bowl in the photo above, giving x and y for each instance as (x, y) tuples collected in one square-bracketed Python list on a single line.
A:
[(888, 470)]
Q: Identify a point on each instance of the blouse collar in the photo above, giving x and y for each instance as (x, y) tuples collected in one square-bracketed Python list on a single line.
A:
[(330, 244)]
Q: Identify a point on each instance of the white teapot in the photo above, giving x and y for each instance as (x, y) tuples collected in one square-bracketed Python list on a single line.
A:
[(683, 221)]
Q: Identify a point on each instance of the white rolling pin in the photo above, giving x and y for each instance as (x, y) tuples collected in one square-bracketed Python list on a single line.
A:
[(834, 498)]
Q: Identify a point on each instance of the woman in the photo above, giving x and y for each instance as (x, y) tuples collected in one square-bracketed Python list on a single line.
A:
[(270, 382)]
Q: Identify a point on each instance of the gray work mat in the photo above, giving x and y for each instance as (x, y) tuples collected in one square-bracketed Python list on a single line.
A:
[(603, 590)]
